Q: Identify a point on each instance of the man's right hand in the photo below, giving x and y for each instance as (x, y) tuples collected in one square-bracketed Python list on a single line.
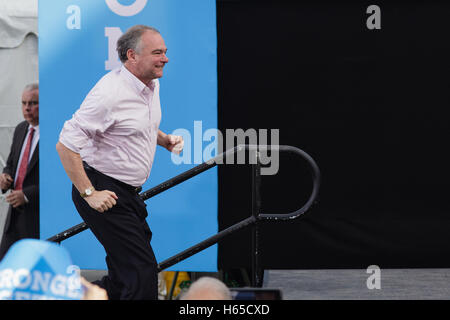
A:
[(5, 181), (101, 200)]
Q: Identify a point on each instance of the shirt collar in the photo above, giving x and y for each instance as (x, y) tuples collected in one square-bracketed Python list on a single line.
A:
[(138, 84), (36, 128)]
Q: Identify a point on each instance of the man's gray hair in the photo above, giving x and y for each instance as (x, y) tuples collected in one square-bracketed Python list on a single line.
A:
[(31, 86), (207, 288), (131, 39)]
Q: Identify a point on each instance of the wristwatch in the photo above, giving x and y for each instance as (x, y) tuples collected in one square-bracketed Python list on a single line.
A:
[(87, 192)]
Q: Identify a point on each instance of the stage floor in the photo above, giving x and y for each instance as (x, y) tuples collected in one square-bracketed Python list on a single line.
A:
[(395, 284)]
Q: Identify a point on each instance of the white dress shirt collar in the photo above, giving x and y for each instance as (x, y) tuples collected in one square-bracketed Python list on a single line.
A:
[(36, 128), (136, 83)]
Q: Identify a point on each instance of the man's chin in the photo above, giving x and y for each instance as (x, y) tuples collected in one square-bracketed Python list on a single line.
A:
[(30, 120), (156, 75), (159, 72)]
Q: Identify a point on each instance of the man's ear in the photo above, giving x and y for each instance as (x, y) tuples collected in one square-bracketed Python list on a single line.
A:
[(131, 55)]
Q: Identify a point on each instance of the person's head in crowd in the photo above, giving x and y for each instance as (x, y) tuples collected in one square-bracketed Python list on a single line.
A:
[(30, 104), (207, 288)]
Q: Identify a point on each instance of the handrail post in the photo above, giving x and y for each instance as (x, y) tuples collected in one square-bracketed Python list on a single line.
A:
[(256, 208)]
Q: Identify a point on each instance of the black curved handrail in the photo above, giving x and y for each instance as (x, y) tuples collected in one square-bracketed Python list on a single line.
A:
[(315, 191), (256, 203)]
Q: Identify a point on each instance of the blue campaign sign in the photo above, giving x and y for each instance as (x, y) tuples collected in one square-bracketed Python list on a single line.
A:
[(39, 270), (77, 40)]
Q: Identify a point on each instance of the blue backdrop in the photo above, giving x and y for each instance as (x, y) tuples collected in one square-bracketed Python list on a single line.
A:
[(76, 48)]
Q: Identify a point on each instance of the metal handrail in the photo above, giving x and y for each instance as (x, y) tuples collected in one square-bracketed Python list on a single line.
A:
[(253, 220), (315, 191)]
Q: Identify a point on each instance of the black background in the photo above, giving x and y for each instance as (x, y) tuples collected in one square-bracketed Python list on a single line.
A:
[(370, 106)]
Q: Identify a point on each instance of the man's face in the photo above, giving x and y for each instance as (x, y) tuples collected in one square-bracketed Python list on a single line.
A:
[(30, 106), (151, 58)]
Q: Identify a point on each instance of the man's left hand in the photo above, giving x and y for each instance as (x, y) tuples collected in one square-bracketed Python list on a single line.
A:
[(16, 198), (174, 144)]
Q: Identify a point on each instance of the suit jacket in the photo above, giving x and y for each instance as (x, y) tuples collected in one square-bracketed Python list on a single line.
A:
[(24, 221)]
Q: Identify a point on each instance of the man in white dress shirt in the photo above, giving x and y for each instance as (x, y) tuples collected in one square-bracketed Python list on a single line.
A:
[(107, 150)]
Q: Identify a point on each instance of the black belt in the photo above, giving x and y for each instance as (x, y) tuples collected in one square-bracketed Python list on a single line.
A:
[(136, 190)]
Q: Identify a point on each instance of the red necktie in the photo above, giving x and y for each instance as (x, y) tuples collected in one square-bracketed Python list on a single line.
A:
[(24, 163)]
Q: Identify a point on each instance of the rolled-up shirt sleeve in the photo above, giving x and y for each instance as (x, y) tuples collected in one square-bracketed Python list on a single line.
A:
[(93, 118)]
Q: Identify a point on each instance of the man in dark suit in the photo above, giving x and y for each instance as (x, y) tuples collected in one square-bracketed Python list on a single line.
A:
[(21, 175)]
